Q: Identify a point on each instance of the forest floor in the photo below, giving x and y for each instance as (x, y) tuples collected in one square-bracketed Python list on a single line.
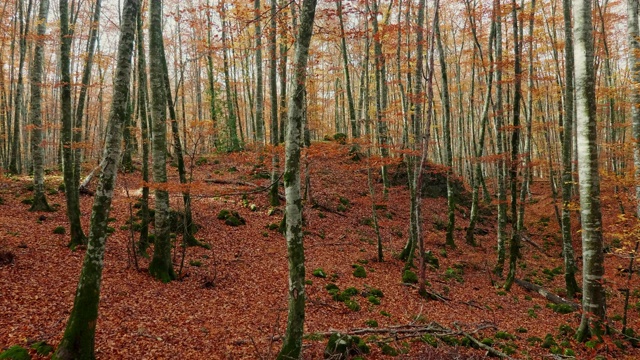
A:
[(231, 299)]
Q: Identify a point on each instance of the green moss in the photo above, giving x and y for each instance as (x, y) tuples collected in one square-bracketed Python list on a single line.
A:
[(342, 346), (331, 286), (431, 259), (388, 350), (385, 313), (532, 313), (561, 308), (231, 217), (374, 300), (27, 201), (363, 261), (371, 323), (340, 138), (273, 226), (487, 341), (503, 335), (566, 330), (15, 353), (429, 339), (42, 348), (454, 274), (308, 282), (521, 330), (60, 230), (313, 337), (376, 292), (533, 340), (409, 277), (110, 229), (569, 352), (508, 349), (548, 342), (450, 340), (350, 291), (196, 263), (319, 273), (352, 305), (359, 272)]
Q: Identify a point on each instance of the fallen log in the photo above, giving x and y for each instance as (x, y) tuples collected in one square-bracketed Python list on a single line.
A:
[(547, 294)]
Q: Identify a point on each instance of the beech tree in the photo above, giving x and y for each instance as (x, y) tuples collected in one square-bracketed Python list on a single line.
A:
[(71, 192), (634, 65), (35, 112), (161, 266), (593, 294), (79, 336), (294, 141)]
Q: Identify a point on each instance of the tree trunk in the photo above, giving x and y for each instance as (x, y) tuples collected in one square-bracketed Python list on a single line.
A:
[(345, 61), (232, 137), (292, 344), (259, 81), (448, 156), (593, 295), (143, 103), (499, 116), (79, 336), (514, 244), (37, 151), (633, 11), (70, 184), (274, 199), (160, 267), (567, 137)]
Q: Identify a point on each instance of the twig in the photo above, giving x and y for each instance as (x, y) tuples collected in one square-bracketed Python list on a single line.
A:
[(481, 345)]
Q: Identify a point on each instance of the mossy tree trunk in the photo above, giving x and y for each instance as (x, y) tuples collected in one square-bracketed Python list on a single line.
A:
[(79, 335), (274, 199), (633, 11), (347, 75), (567, 139), (161, 266), (593, 294), (514, 244), (259, 129), (143, 101), (292, 344), (188, 226), (233, 144), (39, 197), (71, 191), (448, 153), (498, 109)]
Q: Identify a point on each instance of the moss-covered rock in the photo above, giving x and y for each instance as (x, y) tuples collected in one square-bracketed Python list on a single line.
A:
[(319, 272), (343, 346), (409, 277), (231, 217), (374, 300), (352, 305), (15, 352), (359, 272), (331, 286), (59, 230), (388, 350)]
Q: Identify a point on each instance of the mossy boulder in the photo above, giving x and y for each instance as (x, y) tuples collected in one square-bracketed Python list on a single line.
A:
[(59, 230), (319, 272), (343, 346), (15, 353), (231, 217), (434, 184), (409, 277), (359, 272)]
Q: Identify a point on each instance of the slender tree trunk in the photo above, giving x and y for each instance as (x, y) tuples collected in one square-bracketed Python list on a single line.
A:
[(70, 185), (37, 150), (143, 103), (274, 199), (259, 81), (188, 226), (15, 165), (292, 343), (345, 61), (501, 168), (448, 156), (593, 295), (567, 137), (479, 149), (282, 66), (514, 245), (232, 137), (79, 336), (633, 10), (160, 267)]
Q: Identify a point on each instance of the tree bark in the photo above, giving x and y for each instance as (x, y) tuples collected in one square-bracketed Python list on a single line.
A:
[(274, 199), (292, 344), (160, 267), (79, 336), (71, 192), (37, 151), (259, 81), (567, 137), (593, 295)]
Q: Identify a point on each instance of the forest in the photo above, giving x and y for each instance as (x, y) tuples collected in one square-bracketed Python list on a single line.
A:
[(304, 179)]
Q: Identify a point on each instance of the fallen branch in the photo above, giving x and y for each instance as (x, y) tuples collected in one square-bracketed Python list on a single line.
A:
[(259, 188), (548, 295), (432, 295), (489, 349), (317, 205), (83, 185), (526, 238)]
